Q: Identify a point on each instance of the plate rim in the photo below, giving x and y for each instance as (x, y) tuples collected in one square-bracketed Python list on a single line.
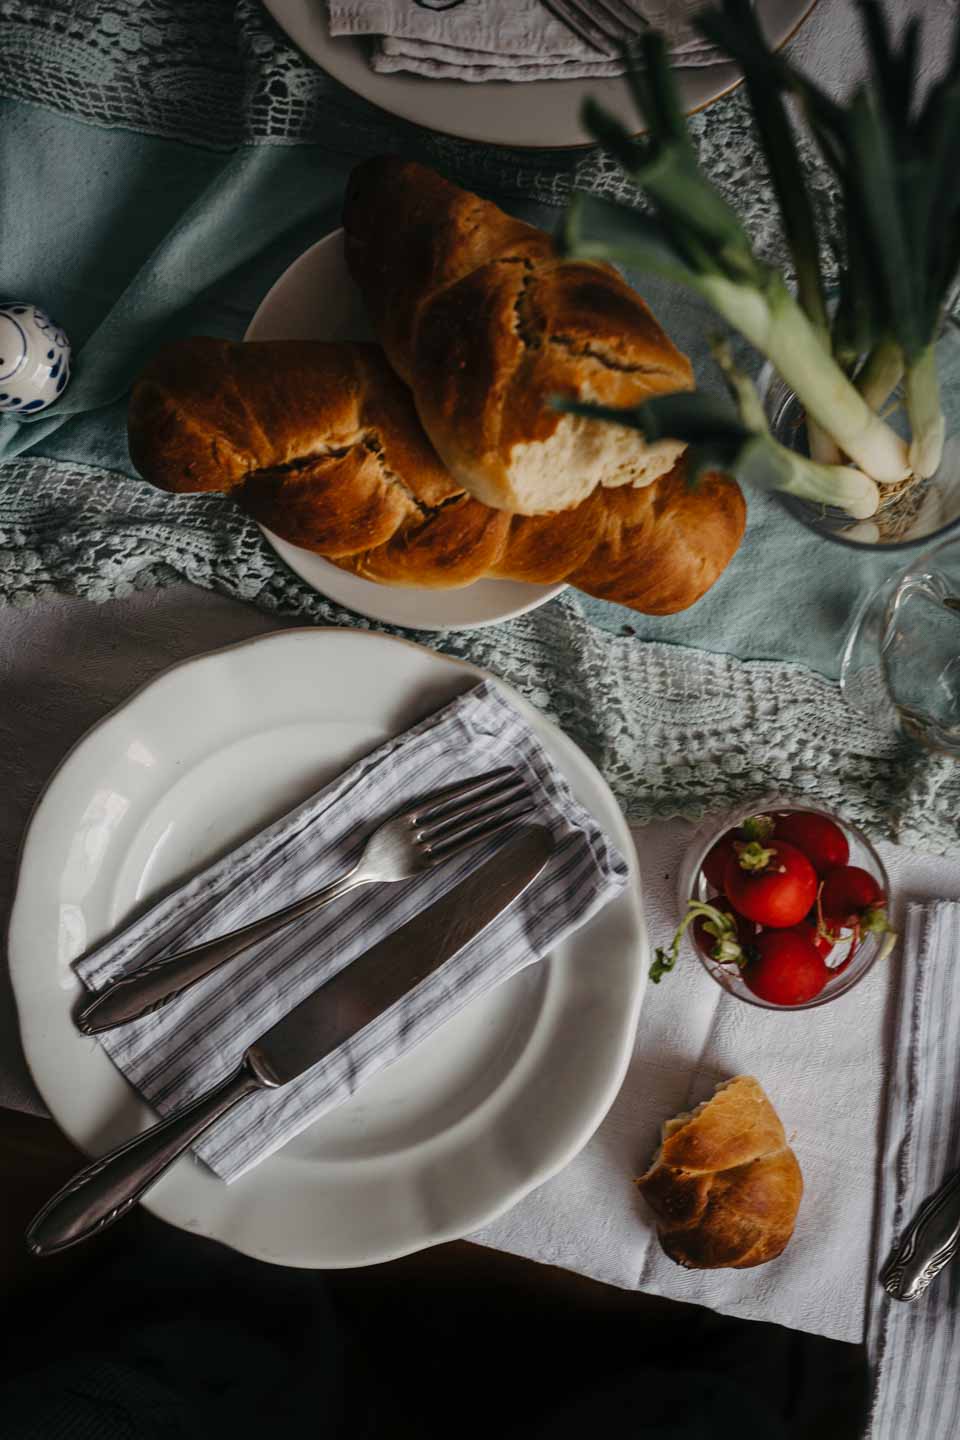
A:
[(540, 594), (517, 1191), (324, 42)]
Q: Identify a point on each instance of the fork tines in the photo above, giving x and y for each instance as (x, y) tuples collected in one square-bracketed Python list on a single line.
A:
[(451, 819)]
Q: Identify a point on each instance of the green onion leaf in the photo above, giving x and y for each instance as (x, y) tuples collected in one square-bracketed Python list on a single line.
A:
[(656, 96), (893, 73), (613, 135), (896, 157), (595, 229), (700, 221), (735, 28)]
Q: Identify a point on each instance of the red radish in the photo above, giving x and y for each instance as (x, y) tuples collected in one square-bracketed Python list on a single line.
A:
[(786, 969), (851, 899), (715, 865), (820, 839), (848, 895), (727, 944), (719, 937), (774, 885), (824, 942), (821, 942)]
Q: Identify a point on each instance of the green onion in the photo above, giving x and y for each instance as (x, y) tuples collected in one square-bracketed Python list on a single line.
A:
[(881, 373), (742, 445), (823, 482), (760, 306), (897, 159), (896, 156), (695, 238), (737, 30), (738, 27), (927, 424)]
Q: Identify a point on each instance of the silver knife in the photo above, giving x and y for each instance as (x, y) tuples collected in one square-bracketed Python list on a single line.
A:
[(335, 1012), (930, 1242)]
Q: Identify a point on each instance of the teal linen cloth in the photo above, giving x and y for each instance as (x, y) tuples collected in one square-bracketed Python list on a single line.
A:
[(160, 166)]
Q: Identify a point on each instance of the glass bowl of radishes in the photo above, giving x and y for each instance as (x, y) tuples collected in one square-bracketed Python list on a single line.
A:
[(785, 903)]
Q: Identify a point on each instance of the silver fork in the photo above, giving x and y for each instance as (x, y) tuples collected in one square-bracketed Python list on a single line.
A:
[(438, 827), (604, 24)]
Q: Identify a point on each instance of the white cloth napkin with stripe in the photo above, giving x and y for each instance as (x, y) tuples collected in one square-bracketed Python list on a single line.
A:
[(194, 1042), (478, 40), (915, 1345)]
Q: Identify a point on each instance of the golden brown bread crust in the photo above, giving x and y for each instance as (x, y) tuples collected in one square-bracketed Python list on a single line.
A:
[(446, 233), (310, 435), (485, 323), (320, 443), (726, 1187)]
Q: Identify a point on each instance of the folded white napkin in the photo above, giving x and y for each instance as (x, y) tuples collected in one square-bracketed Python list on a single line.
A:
[(915, 1345), (479, 40), (197, 1040)]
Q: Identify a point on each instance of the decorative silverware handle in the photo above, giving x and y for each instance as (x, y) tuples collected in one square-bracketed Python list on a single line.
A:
[(154, 984), (108, 1188), (930, 1242)]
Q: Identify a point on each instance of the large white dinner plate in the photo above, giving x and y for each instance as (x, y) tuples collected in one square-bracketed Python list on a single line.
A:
[(544, 114), (444, 1140), (315, 299)]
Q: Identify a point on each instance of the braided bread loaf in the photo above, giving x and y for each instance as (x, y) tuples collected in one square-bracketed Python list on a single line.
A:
[(486, 324), (320, 443)]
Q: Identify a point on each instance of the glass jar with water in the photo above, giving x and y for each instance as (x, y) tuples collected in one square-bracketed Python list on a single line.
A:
[(901, 662)]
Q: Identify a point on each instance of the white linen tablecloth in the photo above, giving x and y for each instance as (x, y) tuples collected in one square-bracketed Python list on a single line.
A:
[(824, 1070), (65, 663)]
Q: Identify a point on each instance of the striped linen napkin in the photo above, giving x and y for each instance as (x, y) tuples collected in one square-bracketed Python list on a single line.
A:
[(197, 1040), (915, 1345), (477, 40)]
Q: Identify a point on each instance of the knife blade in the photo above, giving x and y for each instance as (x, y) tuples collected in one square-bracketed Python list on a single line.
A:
[(361, 992), (325, 1019)]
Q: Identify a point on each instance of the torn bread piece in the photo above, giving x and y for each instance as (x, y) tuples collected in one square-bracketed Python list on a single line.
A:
[(724, 1184)]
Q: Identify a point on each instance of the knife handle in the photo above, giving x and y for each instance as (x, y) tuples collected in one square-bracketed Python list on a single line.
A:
[(930, 1242), (161, 980), (108, 1188)]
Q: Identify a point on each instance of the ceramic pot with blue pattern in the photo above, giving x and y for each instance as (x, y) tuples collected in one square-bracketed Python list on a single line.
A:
[(34, 359)]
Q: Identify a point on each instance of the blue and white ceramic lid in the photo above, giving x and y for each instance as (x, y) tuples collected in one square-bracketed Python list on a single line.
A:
[(34, 358)]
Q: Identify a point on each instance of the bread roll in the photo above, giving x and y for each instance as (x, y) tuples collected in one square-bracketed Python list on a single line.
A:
[(320, 442), (485, 323), (724, 1185)]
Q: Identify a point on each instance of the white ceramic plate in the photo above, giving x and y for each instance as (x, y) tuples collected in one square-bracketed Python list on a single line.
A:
[(544, 114), (315, 299), (439, 1144)]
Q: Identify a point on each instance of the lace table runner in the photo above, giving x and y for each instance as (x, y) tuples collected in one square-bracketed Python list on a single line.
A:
[(676, 731), (222, 73)]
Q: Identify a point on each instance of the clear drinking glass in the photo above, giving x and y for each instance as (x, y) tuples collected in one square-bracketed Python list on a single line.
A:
[(692, 884), (909, 516), (901, 661)]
